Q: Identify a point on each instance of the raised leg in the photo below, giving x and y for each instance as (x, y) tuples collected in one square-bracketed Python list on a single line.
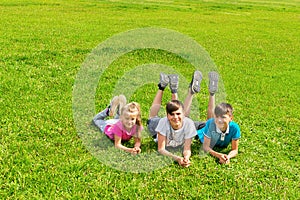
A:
[(194, 88), (213, 87), (211, 106), (188, 102), (156, 104)]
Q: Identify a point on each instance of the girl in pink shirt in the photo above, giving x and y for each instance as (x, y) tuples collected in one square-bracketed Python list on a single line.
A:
[(126, 124)]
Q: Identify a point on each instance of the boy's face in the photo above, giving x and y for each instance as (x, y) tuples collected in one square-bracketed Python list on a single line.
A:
[(222, 122), (128, 121), (176, 118)]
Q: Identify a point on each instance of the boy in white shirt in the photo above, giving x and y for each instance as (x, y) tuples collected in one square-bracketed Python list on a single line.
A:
[(174, 130)]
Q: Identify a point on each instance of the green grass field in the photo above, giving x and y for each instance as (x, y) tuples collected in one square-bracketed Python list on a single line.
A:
[(254, 44)]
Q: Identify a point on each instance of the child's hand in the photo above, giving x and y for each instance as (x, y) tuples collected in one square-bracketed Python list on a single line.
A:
[(184, 162), (135, 150), (224, 159), (138, 150), (227, 161)]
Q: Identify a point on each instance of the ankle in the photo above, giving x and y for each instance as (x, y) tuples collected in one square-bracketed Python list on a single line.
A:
[(160, 87), (174, 91)]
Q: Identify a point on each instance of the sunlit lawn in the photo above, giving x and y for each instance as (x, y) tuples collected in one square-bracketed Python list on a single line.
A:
[(255, 46)]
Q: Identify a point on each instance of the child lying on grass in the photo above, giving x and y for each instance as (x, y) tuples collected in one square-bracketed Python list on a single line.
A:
[(175, 130), (219, 130), (125, 125)]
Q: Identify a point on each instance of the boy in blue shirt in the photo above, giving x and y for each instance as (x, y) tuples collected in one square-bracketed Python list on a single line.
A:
[(219, 130)]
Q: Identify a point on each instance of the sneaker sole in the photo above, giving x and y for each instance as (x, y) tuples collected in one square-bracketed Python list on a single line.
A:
[(163, 80), (197, 78), (213, 81), (113, 105), (173, 81), (122, 103)]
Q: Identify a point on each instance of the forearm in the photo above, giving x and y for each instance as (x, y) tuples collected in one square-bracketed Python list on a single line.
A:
[(137, 142), (169, 154), (213, 153), (232, 153), (209, 150), (187, 154), (122, 147), (234, 149)]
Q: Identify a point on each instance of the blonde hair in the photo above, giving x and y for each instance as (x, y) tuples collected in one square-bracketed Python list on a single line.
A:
[(133, 109)]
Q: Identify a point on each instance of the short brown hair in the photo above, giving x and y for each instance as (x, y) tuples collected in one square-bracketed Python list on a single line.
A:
[(223, 109), (173, 106)]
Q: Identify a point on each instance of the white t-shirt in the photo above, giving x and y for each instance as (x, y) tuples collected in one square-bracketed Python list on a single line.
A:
[(176, 138)]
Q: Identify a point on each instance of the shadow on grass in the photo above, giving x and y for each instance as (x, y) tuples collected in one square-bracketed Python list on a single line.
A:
[(100, 146)]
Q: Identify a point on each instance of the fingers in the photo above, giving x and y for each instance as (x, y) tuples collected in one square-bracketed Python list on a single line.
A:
[(184, 162), (136, 150), (224, 159)]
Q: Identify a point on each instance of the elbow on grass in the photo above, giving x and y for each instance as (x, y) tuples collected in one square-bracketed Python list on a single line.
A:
[(206, 149), (161, 151)]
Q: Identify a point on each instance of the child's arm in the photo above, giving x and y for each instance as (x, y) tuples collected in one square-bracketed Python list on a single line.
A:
[(137, 144), (161, 140), (187, 152), (206, 146), (118, 144), (234, 149)]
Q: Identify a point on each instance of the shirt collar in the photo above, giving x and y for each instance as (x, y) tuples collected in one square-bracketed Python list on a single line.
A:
[(219, 131)]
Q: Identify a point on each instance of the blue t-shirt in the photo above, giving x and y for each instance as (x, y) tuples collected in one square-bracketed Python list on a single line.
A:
[(217, 138)]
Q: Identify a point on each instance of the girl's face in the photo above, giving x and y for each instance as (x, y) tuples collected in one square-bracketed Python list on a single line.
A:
[(222, 122), (176, 118), (128, 120)]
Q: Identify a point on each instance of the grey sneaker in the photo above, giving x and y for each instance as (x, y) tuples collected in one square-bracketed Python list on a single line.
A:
[(213, 82), (163, 81), (114, 103), (196, 81), (122, 102), (173, 82)]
